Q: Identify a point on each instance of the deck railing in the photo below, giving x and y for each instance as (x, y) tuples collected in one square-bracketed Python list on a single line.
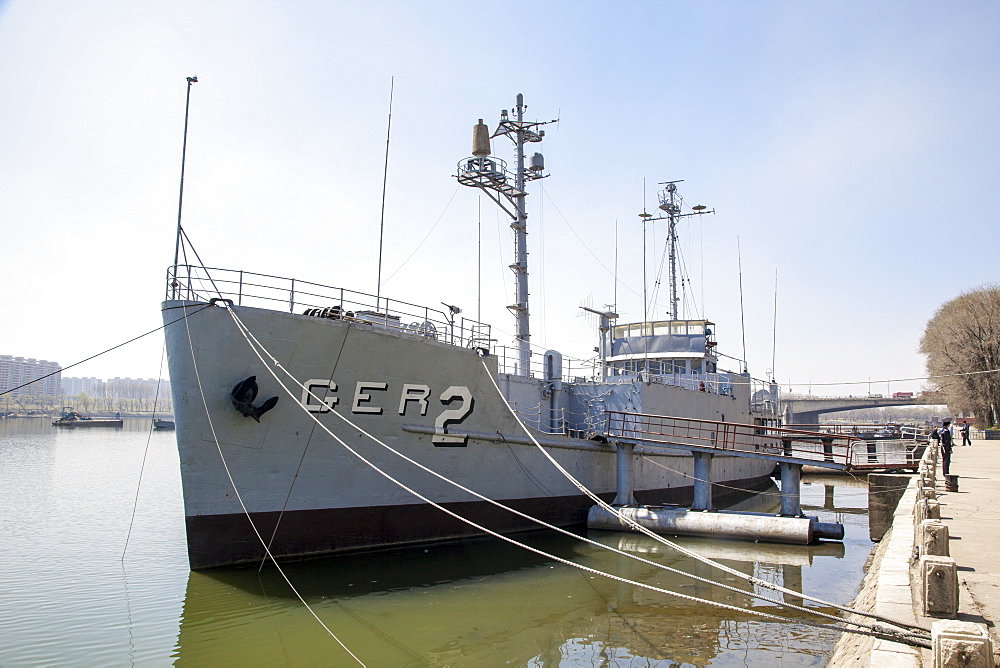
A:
[(572, 369), (244, 288)]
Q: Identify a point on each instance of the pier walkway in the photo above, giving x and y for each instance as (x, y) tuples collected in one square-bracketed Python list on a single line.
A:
[(892, 586), (973, 518)]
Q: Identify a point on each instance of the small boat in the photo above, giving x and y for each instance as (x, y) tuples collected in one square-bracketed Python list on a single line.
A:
[(71, 418), (163, 425)]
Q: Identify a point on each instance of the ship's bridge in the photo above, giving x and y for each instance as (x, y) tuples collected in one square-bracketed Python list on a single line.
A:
[(662, 347)]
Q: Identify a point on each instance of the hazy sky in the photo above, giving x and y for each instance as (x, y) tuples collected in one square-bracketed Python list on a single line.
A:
[(850, 148)]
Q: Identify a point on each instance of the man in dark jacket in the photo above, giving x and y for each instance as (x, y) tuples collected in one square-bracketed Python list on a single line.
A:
[(946, 446)]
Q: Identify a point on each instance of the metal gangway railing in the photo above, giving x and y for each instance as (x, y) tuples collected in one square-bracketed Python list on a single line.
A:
[(887, 455), (779, 444), (880, 447)]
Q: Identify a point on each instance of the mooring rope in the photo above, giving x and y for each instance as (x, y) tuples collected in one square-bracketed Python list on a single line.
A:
[(641, 529), (104, 352), (883, 634), (305, 451), (239, 497), (889, 634), (145, 453)]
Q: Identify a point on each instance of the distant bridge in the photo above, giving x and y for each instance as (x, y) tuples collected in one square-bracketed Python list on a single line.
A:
[(806, 410)]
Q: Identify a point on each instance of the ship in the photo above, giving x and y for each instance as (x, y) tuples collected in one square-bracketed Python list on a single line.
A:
[(71, 418), (163, 424), (314, 419)]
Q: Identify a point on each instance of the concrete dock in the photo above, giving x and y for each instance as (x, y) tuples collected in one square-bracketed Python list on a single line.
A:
[(893, 585), (973, 518)]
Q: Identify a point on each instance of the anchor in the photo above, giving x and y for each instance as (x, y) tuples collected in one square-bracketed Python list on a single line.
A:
[(243, 396)]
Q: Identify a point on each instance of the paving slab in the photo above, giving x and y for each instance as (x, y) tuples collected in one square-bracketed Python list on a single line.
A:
[(973, 517)]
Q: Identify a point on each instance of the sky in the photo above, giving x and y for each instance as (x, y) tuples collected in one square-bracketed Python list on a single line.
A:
[(849, 150)]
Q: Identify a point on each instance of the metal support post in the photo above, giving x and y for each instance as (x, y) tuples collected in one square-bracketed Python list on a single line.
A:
[(623, 459), (827, 449), (791, 475), (702, 481)]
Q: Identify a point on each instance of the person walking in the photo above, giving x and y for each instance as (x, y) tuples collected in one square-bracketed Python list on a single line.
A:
[(946, 443), (965, 435)]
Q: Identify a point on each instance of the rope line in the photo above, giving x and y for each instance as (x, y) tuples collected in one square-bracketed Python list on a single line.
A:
[(641, 529), (426, 236), (539, 485), (198, 257), (305, 450), (145, 452), (900, 380), (255, 343), (239, 497), (584, 244), (886, 633), (697, 479), (61, 369)]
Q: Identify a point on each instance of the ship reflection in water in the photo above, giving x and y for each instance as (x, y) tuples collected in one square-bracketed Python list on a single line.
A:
[(485, 602)]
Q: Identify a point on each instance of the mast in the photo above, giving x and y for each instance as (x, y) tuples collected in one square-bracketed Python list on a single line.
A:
[(385, 179), (520, 267), (180, 199), (671, 203), (507, 190)]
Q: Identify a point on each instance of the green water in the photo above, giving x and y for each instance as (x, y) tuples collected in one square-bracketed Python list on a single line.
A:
[(67, 597)]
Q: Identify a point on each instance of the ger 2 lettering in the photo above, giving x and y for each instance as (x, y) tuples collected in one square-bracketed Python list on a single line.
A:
[(320, 396)]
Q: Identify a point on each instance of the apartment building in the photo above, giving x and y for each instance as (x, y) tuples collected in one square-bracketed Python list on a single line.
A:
[(18, 371)]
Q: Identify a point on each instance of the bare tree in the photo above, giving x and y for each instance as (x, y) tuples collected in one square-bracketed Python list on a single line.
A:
[(962, 345)]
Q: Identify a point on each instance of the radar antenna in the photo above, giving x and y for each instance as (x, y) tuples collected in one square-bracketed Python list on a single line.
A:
[(671, 203), (507, 190)]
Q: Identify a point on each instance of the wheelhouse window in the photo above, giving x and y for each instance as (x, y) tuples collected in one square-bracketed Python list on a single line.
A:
[(661, 328)]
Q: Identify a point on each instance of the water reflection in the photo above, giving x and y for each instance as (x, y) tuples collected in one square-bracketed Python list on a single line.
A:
[(67, 504), (487, 602)]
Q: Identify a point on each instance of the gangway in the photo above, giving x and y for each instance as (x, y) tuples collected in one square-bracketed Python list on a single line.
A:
[(880, 447), (704, 439), (779, 444)]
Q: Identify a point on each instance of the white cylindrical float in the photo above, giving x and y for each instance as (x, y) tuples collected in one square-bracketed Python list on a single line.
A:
[(743, 526)]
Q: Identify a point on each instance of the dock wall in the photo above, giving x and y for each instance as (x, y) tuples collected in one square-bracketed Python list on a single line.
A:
[(886, 591)]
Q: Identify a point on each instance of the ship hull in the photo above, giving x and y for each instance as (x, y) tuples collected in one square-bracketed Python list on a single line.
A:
[(217, 540), (307, 493)]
